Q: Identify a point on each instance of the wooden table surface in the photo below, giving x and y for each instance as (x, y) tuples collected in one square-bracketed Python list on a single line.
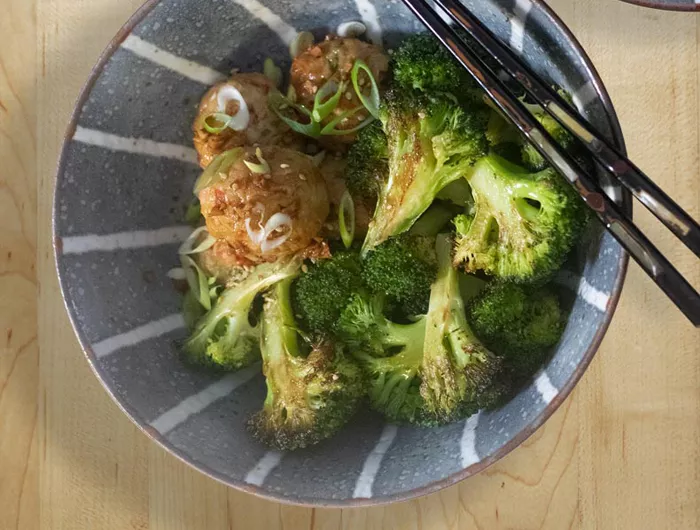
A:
[(623, 452)]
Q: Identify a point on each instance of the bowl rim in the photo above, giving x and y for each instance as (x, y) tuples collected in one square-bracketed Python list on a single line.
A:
[(601, 92), (654, 4)]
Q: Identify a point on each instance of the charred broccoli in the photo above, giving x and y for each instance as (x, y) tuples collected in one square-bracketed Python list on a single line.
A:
[(391, 355), (320, 294), (309, 397), (460, 375), (403, 269), (368, 163), (502, 135), (432, 142), (422, 64), (519, 322), (224, 337), (524, 224), (431, 371)]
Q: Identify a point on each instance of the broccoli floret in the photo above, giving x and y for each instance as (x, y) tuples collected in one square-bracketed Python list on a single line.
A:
[(403, 269), (431, 371), (320, 294), (519, 322), (309, 398), (224, 337), (503, 135), (435, 220), (532, 159), (432, 142), (368, 164), (459, 374), (524, 224), (390, 354), (422, 64)]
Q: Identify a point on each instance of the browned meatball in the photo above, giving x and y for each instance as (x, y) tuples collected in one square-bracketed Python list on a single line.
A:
[(221, 262), (266, 216), (333, 170), (264, 127), (333, 60)]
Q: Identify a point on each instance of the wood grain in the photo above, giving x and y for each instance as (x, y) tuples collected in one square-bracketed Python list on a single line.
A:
[(621, 453)]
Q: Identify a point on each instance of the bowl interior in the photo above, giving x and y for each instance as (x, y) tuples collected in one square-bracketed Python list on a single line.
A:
[(125, 181)]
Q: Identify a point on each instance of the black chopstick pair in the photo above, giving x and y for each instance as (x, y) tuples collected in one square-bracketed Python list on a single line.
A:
[(625, 172)]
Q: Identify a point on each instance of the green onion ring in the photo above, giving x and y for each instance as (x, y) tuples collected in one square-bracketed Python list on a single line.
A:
[(371, 103), (323, 109), (221, 117), (221, 164), (346, 219)]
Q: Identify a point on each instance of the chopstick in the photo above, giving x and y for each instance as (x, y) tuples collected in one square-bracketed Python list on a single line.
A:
[(630, 176), (661, 271)]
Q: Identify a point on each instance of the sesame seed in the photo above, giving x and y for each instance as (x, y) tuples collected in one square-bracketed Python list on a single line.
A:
[(302, 176), (304, 268), (348, 96), (284, 166)]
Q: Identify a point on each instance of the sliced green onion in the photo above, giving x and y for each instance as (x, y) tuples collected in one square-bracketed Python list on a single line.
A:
[(302, 42), (272, 72), (322, 109), (192, 310), (263, 168), (278, 102), (346, 219), (188, 247), (197, 281), (217, 122), (330, 128), (220, 165), (371, 103), (193, 215)]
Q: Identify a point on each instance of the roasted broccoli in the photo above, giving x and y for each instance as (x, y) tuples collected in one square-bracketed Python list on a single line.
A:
[(519, 322), (524, 224), (320, 294), (431, 371), (391, 355), (432, 142), (502, 135), (422, 64), (403, 269), (368, 163), (459, 374), (224, 337), (309, 397)]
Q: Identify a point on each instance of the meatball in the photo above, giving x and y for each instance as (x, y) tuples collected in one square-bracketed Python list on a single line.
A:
[(267, 213), (264, 126), (333, 60), (221, 262), (333, 170)]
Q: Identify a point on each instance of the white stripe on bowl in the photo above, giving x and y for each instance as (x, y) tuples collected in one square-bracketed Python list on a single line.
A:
[(584, 96), (285, 32), (521, 10), (195, 404), (137, 335), (467, 447), (585, 290), (263, 468), (189, 69), (365, 482), (545, 387), (141, 146), (371, 20), (125, 240)]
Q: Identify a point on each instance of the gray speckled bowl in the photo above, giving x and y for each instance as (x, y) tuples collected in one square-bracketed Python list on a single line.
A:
[(125, 178)]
